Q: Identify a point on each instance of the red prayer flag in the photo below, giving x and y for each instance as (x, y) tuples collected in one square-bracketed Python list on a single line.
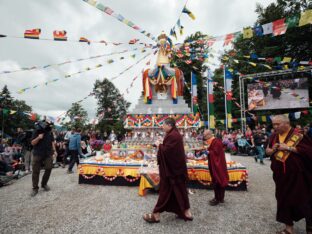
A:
[(228, 39), (32, 33), (279, 27)]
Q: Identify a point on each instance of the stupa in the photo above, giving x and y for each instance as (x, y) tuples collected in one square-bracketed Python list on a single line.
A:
[(162, 95)]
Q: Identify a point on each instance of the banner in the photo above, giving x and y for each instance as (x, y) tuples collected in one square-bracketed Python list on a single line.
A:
[(194, 93), (210, 102), (228, 79)]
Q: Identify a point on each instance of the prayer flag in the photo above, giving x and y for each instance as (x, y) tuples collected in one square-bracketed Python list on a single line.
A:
[(108, 11), (32, 33), (279, 27), (306, 18), (211, 41), (194, 93), (228, 39), (59, 35), (267, 28), (286, 60), (292, 21), (133, 41), (187, 11), (91, 2), (210, 101), (181, 30), (258, 30), (247, 33), (83, 39)]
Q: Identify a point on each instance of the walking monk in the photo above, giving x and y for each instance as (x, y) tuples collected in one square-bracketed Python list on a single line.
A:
[(291, 156), (171, 159), (217, 167)]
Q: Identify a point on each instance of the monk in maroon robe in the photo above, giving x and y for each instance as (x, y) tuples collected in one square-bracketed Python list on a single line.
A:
[(217, 167), (173, 196), (291, 156)]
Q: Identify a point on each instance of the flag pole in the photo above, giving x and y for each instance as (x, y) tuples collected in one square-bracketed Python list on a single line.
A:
[(225, 104), (192, 105), (208, 104)]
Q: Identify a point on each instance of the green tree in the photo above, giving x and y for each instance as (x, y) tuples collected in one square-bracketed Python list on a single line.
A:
[(11, 121), (295, 43), (112, 107), (196, 55), (78, 116)]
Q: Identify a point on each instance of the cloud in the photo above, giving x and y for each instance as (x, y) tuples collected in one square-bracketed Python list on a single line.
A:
[(80, 19)]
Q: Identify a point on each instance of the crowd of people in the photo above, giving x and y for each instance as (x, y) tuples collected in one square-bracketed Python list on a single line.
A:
[(46, 148), (70, 146)]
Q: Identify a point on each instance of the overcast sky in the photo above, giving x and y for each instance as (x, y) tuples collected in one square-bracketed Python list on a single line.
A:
[(79, 19)]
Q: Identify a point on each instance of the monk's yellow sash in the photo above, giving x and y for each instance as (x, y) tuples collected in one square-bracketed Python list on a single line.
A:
[(293, 141)]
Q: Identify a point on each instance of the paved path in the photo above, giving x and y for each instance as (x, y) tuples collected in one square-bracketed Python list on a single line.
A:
[(286, 100), (73, 208)]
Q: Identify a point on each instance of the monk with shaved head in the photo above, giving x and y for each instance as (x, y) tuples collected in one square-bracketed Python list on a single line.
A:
[(291, 163), (217, 166)]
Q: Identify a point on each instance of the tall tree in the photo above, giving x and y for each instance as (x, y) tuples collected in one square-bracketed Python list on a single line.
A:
[(190, 58), (78, 116), (295, 43), (112, 107), (13, 113)]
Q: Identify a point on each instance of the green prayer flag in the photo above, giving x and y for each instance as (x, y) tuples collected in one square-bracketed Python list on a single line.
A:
[(5, 111), (292, 21)]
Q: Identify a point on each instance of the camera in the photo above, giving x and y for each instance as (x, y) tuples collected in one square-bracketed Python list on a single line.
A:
[(43, 126)]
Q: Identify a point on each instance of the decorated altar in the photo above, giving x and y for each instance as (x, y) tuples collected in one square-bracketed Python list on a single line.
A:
[(139, 168)]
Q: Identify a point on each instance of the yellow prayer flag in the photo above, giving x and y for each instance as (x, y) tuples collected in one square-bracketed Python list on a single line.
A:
[(286, 59), (125, 21), (263, 118), (229, 119), (306, 18), (235, 61), (247, 33), (212, 123), (12, 112), (92, 2), (252, 64), (267, 66), (246, 56)]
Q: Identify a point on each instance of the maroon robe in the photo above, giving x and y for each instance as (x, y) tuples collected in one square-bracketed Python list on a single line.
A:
[(171, 159), (293, 181), (217, 163)]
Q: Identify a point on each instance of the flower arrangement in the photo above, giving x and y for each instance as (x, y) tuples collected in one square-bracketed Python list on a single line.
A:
[(97, 145), (229, 146)]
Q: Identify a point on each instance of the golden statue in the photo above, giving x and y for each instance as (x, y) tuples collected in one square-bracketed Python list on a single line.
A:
[(163, 77), (164, 52)]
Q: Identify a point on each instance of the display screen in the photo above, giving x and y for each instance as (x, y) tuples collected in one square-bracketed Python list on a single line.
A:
[(278, 94)]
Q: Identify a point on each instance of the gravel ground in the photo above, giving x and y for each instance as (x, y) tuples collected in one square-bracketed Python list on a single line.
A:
[(73, 208)]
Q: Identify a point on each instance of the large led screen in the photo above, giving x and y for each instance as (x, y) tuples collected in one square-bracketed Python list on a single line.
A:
[(280, 94)]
